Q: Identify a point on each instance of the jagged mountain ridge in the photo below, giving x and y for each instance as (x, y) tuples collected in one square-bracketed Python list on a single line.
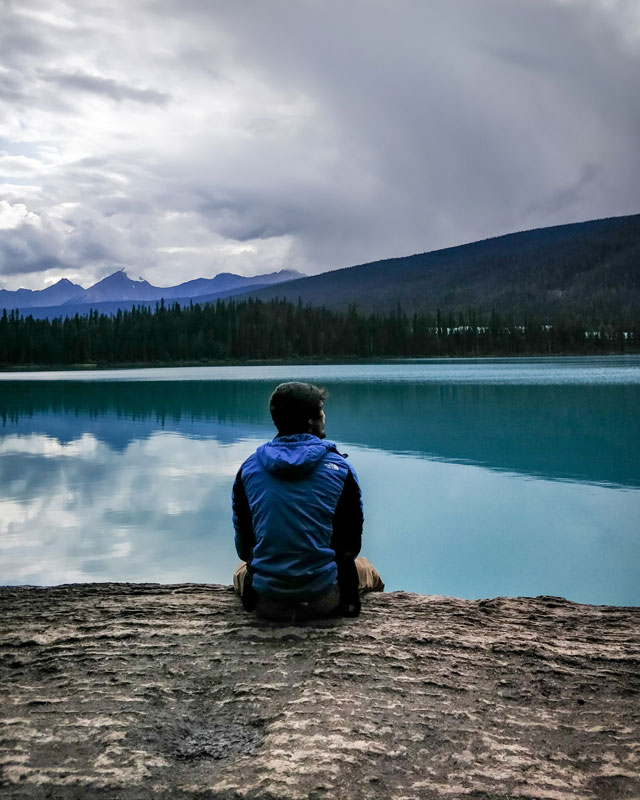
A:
[(60, 292), (120, 288)]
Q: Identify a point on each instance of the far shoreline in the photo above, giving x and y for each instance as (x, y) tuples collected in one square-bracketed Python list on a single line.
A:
[(305, 361)]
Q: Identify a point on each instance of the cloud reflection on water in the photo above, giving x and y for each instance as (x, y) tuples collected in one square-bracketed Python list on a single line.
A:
[(156, 512)]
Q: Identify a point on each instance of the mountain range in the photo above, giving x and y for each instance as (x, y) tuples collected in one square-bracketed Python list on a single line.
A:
[(118, 290), (591, 269)]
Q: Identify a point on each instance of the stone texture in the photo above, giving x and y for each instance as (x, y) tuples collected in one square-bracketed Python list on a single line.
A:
[(146, 691)]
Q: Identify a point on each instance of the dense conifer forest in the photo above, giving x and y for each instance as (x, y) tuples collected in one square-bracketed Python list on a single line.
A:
[(277, 329)]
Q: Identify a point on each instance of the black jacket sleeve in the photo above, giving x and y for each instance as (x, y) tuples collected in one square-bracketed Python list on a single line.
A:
[(245, 538), (348, 520), (346, 541)]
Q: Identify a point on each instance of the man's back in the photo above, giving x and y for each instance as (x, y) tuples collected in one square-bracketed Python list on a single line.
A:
[(297, 514), (304, 504)]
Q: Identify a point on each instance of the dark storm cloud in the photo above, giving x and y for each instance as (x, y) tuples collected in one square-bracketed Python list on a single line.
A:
[(451, 141), (107, 86), (11, 89), (111, 206), (22, 251), (520, 58), (188, 137), (21, 41), (571, 194), (247, 215)]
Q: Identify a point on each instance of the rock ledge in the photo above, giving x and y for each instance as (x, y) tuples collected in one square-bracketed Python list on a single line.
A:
[(149, 691)]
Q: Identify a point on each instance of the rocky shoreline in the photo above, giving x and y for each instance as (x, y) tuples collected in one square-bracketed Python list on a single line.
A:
[(173, 692)]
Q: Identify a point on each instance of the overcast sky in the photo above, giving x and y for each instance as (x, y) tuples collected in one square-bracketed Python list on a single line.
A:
[(182, 138)]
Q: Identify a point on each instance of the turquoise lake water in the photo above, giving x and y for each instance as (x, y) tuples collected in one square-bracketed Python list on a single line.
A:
[(480, 477)]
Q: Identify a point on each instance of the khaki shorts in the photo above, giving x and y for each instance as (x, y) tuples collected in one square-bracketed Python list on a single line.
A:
[(369, 579)]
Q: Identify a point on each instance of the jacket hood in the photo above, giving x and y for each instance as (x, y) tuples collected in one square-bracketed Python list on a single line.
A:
[(293, 457)]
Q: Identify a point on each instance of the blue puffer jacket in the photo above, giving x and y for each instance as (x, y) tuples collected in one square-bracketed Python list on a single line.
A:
[(292, 485)]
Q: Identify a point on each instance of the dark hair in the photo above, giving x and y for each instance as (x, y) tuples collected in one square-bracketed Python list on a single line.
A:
[(293, 404)]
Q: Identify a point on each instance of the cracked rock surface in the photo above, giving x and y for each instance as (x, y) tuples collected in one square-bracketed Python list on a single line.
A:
[(174, 692)]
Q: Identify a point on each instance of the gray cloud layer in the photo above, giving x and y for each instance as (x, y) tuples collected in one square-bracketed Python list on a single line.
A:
[(181, 139), (114, 89)]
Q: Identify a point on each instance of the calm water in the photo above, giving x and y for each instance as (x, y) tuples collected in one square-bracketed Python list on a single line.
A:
[(480, 477)]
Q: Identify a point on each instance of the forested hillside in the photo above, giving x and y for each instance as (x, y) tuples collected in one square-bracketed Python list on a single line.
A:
[(281, 330), (591, 269)]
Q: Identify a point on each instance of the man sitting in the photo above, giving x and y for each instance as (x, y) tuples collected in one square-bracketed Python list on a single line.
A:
[(297, 514)]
